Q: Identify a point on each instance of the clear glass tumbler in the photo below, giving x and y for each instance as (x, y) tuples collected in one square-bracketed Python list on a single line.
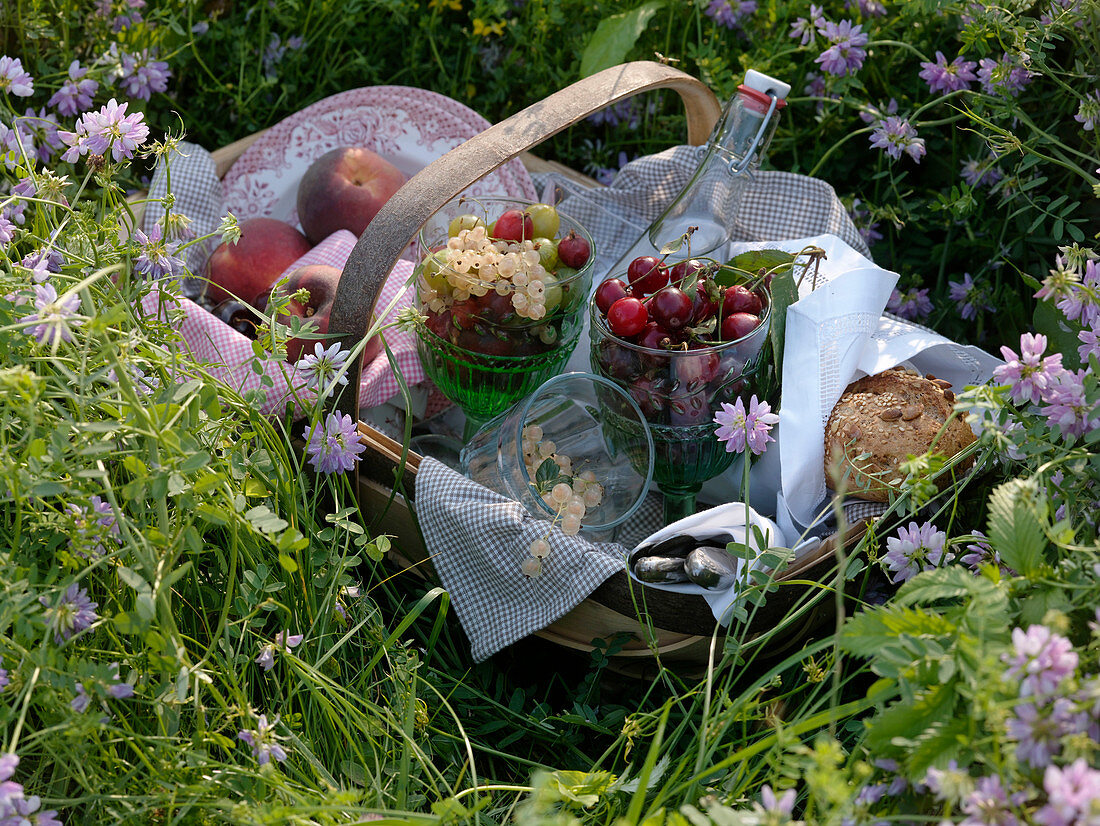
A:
[(561, 434)]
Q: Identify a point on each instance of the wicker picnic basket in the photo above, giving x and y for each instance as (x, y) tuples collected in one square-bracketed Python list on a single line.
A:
[(646, 623)]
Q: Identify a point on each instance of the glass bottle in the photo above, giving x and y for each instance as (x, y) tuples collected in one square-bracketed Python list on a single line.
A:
[(709, 201)]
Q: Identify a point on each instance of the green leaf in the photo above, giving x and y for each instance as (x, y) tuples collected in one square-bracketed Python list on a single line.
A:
[(615, 36), (1061, 336), (547, 473), (951, 582), (194, 462), (784, 294), (752, 261), (939, 743), (1014, 529), (910, 719), (287, 563), (264, 520), (868, 633)]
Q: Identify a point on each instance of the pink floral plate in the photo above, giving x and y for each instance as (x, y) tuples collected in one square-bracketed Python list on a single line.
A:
[(409, 127)]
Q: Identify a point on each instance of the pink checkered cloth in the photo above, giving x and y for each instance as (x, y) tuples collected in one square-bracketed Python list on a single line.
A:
[(227, 353), (229, 356)]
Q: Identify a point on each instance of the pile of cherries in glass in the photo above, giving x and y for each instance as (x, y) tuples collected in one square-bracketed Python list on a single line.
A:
[(677, 307), (680, 337)]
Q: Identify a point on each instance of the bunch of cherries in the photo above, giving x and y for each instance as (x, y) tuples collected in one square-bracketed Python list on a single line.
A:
[(678, 306)]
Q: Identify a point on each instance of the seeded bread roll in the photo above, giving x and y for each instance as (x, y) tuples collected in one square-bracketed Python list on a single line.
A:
[(883, 419)]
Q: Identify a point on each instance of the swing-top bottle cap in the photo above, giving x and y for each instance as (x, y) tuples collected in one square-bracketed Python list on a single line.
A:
[(767, 85)]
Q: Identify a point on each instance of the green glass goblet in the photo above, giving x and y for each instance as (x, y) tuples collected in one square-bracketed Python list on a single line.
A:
[(679, 391), (502, 314)]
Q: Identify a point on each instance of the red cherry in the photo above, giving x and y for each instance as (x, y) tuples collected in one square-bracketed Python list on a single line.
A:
[(609, 292), (514, 225), (702, 305), (496, 308), (654, 337), (574, 250), (738, 325), (696, 368), (627, 317), (740, 299), (682, 269), (646, 274), (671, 308)]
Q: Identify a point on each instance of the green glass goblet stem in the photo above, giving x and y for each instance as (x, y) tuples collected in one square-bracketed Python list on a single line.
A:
[(679, 501)]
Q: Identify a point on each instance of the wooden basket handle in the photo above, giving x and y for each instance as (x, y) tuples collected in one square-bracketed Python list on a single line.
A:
[(397, 223)]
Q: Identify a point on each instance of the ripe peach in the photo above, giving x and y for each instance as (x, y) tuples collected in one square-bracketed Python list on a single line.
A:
[(247, 269), (344, 189)]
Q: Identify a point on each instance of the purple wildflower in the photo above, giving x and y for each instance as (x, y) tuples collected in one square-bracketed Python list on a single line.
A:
[(323, 366), (39, 134), (109, 128), (866, 8), (26, 812), (7, 230), (623, 112), (282, 640), (896, 135), (76, 93), (846, 54), (142, 75), (972, 298), (157, 258), (861, 217), (915, 548), (53, 317), (869, 113), (1030, 375), (1073, 795), (89, 527), (42, 262), (82, 700), (980, 552), (898, 782), (804, 28), (263, 740), (72, 614), (870, 794), (817, 87), (125, 21), (988, 804), (980, 173), (1077, 293), (1068, 406), (38, 265), (1004, 76), (5, 681), (739, 429), (334, 446), (730, 13), (950, 784), (1039, 728), (945, 77), (1042, 660), (912, 305), (779, 807), (14, 80), (606, 174), (1088, 113), (118, 689), (1090, 343)]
